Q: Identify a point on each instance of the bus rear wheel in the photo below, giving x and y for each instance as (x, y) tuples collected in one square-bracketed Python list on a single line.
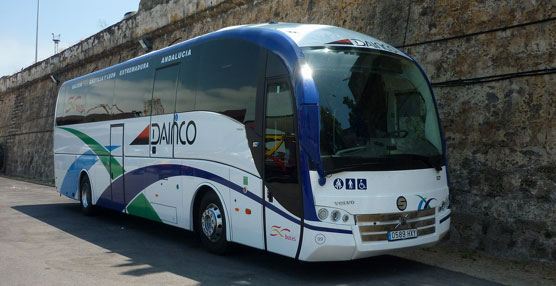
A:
[(85, 197), (212, 224)]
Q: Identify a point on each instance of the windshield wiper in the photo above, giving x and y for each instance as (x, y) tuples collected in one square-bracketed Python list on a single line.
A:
[(356, 167), (350, 150), (435, 162)]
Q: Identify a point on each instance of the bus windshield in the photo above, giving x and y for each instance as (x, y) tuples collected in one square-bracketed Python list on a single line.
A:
[(376, 111)]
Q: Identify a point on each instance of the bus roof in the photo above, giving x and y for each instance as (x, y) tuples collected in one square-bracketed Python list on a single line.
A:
[(286, 40), (312, 35)]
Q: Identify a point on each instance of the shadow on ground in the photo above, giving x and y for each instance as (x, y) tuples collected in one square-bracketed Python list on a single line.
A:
[(155, 247)]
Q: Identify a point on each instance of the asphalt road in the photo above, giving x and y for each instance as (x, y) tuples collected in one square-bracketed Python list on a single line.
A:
[(44, 239)]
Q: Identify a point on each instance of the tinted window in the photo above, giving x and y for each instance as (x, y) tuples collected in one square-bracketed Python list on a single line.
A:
[(280, 157), (274, 65), (99, 98), (164, 92), (74, 104), (228, 78), (185, 99), (60, 106), (133, 92), (376, 111)]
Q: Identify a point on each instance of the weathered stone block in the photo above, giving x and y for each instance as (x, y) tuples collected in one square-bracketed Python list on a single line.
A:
[(439, 19), (526, 48)]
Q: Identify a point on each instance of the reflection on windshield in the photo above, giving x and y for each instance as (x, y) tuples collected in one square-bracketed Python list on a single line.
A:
[(376, 111)]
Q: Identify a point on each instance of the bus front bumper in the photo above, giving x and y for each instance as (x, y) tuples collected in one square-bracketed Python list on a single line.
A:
[(355, 243)]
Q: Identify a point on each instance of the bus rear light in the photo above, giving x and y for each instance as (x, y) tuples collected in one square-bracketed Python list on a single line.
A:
[(248, 211)]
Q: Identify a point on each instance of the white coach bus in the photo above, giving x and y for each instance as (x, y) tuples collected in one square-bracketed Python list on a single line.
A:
[(310, 141)]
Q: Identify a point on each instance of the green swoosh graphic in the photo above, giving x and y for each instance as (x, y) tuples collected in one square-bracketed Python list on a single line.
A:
[(423, 199), (103, 155), (140, 206)]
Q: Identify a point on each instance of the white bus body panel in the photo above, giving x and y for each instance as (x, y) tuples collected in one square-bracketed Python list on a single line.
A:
[(246, 213), (171, 198), (218, 138), (282, 233)]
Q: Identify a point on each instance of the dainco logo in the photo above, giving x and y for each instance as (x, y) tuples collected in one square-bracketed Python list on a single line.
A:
[(364, 43), (168, 133)]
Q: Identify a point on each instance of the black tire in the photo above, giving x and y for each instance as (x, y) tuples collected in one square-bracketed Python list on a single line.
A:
[(85, 198), (211, 222)]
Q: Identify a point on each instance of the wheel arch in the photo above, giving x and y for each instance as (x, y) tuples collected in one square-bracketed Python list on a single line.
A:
[(200, 192), (84, 174)]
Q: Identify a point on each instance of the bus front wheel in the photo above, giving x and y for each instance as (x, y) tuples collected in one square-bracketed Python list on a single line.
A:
[(212, 224), (85, 197)]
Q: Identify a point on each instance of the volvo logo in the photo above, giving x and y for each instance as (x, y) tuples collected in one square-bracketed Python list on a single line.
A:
[(402, 221), (401, 203)]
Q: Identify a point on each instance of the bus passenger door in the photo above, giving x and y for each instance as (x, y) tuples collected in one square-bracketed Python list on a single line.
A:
[(282, 191), (117, 164), (163, 117)]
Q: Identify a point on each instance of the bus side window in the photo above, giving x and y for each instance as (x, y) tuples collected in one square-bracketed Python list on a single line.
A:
[(60, 106), (185, 98), (74, 106), (228, 78), (99, 101), (275, 66), (164, 92), (132, 95)]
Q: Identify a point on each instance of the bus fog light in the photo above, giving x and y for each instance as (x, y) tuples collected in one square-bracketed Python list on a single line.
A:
[(323, 214), (345, 218), (335, 215)]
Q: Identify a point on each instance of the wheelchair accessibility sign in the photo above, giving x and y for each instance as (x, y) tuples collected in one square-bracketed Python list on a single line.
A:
[(351, 184), (361, 184)]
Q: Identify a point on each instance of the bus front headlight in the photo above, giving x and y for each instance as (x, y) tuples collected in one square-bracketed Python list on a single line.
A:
[(323, 214), (335, 215)]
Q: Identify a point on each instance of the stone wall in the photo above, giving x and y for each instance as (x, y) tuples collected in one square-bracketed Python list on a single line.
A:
[(491, 64)]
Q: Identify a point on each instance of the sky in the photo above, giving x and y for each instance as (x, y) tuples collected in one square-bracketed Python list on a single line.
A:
[(73, 20)]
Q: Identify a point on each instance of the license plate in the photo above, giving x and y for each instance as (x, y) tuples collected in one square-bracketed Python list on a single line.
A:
[(402, 234)]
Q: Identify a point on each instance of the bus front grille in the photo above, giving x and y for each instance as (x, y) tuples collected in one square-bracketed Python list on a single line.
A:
[(375, 227)]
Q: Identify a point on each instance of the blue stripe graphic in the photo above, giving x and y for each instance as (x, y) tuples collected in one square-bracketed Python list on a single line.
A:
[(445, 218), (318, 228), (139, 179), (70, 184)]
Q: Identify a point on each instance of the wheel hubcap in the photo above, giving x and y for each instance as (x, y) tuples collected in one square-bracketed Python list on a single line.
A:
[(211, 222), (84, 199)]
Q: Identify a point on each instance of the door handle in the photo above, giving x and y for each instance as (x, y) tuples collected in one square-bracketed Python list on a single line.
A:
[(154, 150)]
